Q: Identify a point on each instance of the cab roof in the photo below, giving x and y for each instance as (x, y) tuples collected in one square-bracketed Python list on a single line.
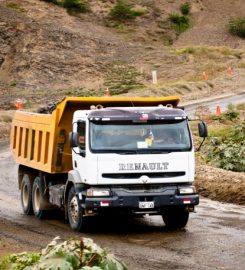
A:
[(137, 114)]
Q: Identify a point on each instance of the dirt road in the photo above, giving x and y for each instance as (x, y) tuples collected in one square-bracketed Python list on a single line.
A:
[(213, 239)]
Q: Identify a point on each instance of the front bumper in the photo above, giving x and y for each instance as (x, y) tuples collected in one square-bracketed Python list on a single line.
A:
[(128, 199)]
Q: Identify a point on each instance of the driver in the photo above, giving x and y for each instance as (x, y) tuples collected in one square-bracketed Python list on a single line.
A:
[(163, 137)]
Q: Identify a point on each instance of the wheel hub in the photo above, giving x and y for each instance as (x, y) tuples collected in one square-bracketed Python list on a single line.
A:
[(36, 202), (74, 209), (25, 195)]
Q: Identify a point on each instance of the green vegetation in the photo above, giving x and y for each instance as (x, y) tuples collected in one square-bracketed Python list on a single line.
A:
[(237, 27), (212, 51), (82, 92), (215, 55), (68, 255), (72, 6), (15, 6), (122, 11), (225, 146), (180, 23), (185, 8), (231, 114), (241, 64), (121, 78), (6, 118), (76, 6), (55, 2)]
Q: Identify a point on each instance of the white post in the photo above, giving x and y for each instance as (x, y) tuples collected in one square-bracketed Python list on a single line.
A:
[(154, 77)]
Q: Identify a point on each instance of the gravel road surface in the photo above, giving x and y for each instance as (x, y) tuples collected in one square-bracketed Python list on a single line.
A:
[(213, 239)]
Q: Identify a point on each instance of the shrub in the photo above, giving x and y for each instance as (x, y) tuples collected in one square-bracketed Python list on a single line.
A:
[(226, 149), (237, 27), (231, 114), (123, 11), (76, 6), (121, 78), (56, 2), (185, 8), (180, 23)]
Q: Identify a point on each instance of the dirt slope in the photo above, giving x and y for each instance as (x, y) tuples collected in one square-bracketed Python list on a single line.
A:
[(210, 24), (46, 52)]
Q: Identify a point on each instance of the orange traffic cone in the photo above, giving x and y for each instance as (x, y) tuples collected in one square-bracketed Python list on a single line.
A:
[(18, 104), (107, 92), (218, 110), (229, 71), (204, 76)]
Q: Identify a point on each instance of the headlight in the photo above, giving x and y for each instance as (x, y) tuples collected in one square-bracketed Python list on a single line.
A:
[(187, 190), (98, 192)]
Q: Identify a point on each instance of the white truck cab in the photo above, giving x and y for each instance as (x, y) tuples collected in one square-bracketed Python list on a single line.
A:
[(137, 160)]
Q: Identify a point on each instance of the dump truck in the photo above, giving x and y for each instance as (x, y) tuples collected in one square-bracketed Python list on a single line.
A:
[(107, 156)]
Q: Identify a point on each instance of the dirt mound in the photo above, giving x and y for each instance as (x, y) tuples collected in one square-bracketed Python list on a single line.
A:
[(221, 185)]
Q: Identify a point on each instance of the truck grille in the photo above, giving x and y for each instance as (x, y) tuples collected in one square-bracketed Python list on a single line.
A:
[(138, 175)]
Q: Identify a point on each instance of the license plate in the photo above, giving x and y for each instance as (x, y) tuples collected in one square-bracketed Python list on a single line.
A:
[(144, 205)]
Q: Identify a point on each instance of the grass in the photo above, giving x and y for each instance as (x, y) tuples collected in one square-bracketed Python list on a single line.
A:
[(241, 107), (82, 92), (209, 51), (123, 11), (15, 6), (6, 118), (185, 8), (241, 64)]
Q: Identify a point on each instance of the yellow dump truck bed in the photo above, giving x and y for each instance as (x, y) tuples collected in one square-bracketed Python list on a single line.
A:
[(40, 141)]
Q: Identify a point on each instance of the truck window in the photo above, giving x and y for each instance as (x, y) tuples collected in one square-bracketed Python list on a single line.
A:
[(116, 136), (81, 130)]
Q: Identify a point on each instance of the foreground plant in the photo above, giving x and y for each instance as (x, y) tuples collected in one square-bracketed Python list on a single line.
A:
[(72, 254)]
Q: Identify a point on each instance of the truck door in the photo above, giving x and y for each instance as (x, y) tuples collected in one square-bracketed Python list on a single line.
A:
[(80, 157)]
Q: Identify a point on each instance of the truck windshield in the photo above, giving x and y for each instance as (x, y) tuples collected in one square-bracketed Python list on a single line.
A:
[(148, 137)]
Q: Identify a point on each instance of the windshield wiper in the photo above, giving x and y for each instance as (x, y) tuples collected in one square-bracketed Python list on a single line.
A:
[(160, 151), (126, 152)]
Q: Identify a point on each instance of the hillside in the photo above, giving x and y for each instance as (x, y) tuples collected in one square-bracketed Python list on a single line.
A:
[(46, 53)]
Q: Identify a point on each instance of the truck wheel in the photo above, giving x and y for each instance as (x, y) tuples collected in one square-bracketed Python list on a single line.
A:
[(38, 198), (175, 218), (74, 210), (26, 194)]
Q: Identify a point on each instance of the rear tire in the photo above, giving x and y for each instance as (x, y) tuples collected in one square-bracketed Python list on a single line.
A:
[(38, 198), (26, 194), (74, 211), (175, 218)]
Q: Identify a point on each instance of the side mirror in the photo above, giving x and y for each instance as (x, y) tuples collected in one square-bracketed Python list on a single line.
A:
[(73, 139), (202, 130)]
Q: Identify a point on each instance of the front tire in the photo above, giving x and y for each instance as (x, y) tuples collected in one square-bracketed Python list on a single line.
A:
[(175, 218), (26, 194), (38, 198), (75, 211)]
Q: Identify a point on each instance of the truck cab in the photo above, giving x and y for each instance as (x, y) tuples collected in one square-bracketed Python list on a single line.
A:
[(133, 161)]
